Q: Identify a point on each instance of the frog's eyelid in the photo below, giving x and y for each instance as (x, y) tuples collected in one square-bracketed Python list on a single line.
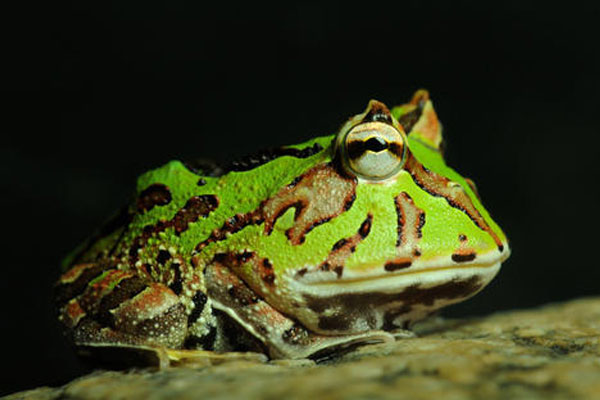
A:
[(374, 150)]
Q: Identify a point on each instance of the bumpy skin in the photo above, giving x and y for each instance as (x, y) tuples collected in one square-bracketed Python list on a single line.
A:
[(289, 252)]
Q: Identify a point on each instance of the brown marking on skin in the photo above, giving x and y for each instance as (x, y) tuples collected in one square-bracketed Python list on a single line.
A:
[(409, 119), (420, 225), (462, 237), (71, 314), (301, 272), (339, 244), (473, 187), (322, 191), (204, 342), (365, 227), (463, 257), (424, 120), (154, 195), (318, 195), (439, 186), (126, 289), (399, 263), (232, 225), (163, 256), (266, 272), (196, 207), (242, 294), (153, 300), (343, 248), (96, 290), (350, 202), (199, 299), (339, 270), (176, 284), (353, 307), (411, 220), (75, 281), (298, 207)]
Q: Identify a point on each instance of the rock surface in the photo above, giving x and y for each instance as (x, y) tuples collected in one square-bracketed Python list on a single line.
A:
[(546, 353)]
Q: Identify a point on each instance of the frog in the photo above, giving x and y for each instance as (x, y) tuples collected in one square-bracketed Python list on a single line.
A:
[(298, 251)]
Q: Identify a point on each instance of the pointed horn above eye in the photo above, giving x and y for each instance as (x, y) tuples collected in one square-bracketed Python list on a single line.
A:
[(377, 112), (419, 120)]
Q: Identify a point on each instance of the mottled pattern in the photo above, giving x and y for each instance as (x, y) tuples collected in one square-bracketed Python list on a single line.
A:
[(195, 208)]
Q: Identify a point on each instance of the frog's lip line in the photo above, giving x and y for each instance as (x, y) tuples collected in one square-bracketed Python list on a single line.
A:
[(483, 264), (391, 275), (392, 283)]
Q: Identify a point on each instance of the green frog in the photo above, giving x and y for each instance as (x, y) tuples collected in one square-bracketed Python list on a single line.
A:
[(295, 252)]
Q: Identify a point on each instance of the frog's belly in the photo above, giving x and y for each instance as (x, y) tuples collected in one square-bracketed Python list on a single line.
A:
[(388, 302)]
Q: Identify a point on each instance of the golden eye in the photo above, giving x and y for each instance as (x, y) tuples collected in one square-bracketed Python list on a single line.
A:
[(374, 150)]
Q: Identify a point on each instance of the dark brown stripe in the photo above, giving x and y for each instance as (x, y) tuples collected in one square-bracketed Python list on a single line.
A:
[(177, 283), (163, 256), (339, 244), (256, 160), (195, 208), (400, 222), (199, 301), (459, 258), (409, 119), (365, 227), (63, 292), (396, 265), (123, 291), (154, 195), (421, 224)]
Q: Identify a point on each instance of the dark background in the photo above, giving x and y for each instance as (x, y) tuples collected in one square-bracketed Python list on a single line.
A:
[(99, 93)]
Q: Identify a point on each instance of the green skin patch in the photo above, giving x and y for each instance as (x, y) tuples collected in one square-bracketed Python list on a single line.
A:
[(327, 242)]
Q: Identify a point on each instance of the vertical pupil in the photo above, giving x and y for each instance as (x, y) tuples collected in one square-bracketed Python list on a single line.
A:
[(376, 144)]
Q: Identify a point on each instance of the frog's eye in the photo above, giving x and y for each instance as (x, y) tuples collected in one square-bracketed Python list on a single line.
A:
[(374, 150)]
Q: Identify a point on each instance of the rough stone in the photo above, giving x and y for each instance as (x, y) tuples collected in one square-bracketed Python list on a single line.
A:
[(552, 352)]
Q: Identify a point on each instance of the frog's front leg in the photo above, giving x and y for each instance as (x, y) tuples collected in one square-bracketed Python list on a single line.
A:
[(280, 335)]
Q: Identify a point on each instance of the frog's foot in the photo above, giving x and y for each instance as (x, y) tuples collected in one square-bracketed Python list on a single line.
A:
[(197, 358), (403, 334), (115, 308)]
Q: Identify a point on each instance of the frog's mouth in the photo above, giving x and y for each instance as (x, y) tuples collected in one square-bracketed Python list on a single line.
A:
[(366, 300), (366, 278)]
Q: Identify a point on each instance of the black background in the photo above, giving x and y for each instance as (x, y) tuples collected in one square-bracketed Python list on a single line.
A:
[(99, 93)]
